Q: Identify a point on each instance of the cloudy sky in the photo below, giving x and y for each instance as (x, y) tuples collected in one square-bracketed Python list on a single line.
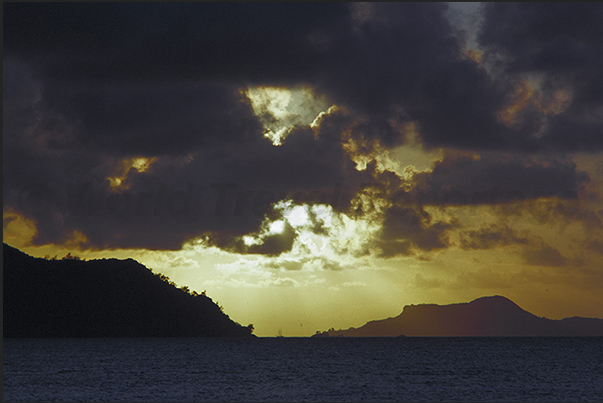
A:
[(314, 165)]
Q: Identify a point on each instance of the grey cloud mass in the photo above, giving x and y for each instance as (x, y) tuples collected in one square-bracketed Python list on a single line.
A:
[(545, 256), (88, 86), (491, 237), (498, 177), (562, 45)]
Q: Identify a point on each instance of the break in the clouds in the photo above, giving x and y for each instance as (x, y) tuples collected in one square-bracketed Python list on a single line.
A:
[(150, 125)]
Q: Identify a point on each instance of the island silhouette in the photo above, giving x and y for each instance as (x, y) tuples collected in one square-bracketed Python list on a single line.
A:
[(69, 297), (494, 316)]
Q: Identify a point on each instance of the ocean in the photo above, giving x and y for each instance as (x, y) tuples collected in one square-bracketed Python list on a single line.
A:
[(304, 369)]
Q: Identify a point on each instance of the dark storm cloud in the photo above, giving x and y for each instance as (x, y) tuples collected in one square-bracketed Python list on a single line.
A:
[(562, 43), (163, 41), (596, 246), (576, 211), (406, 227), (404, 62), (383, 61), (271, 245), (490, 237), (495, 178), (545, 256), (88, 85), (153, 120), (401, 61), (554, 37), (216, 174), (491, 179), (214, 191)]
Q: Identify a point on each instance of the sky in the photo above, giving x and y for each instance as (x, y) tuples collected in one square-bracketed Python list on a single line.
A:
[(314, 165)]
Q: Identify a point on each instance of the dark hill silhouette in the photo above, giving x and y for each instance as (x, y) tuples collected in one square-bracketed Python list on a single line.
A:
[(488, 316), (103, 298)]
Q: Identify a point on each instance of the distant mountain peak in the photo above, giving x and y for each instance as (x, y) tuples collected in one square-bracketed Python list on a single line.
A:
[(495, 300), (485, 316), (487, 302)]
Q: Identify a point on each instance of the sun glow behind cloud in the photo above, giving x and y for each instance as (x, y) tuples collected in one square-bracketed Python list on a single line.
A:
[(280, 110), (324, 238), (139, 164)]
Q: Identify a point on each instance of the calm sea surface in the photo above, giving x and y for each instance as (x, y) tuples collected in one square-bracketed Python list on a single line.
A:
[(300, 369)]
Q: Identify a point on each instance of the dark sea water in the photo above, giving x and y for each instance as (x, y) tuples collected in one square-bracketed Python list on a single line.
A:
[(303, 369)]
